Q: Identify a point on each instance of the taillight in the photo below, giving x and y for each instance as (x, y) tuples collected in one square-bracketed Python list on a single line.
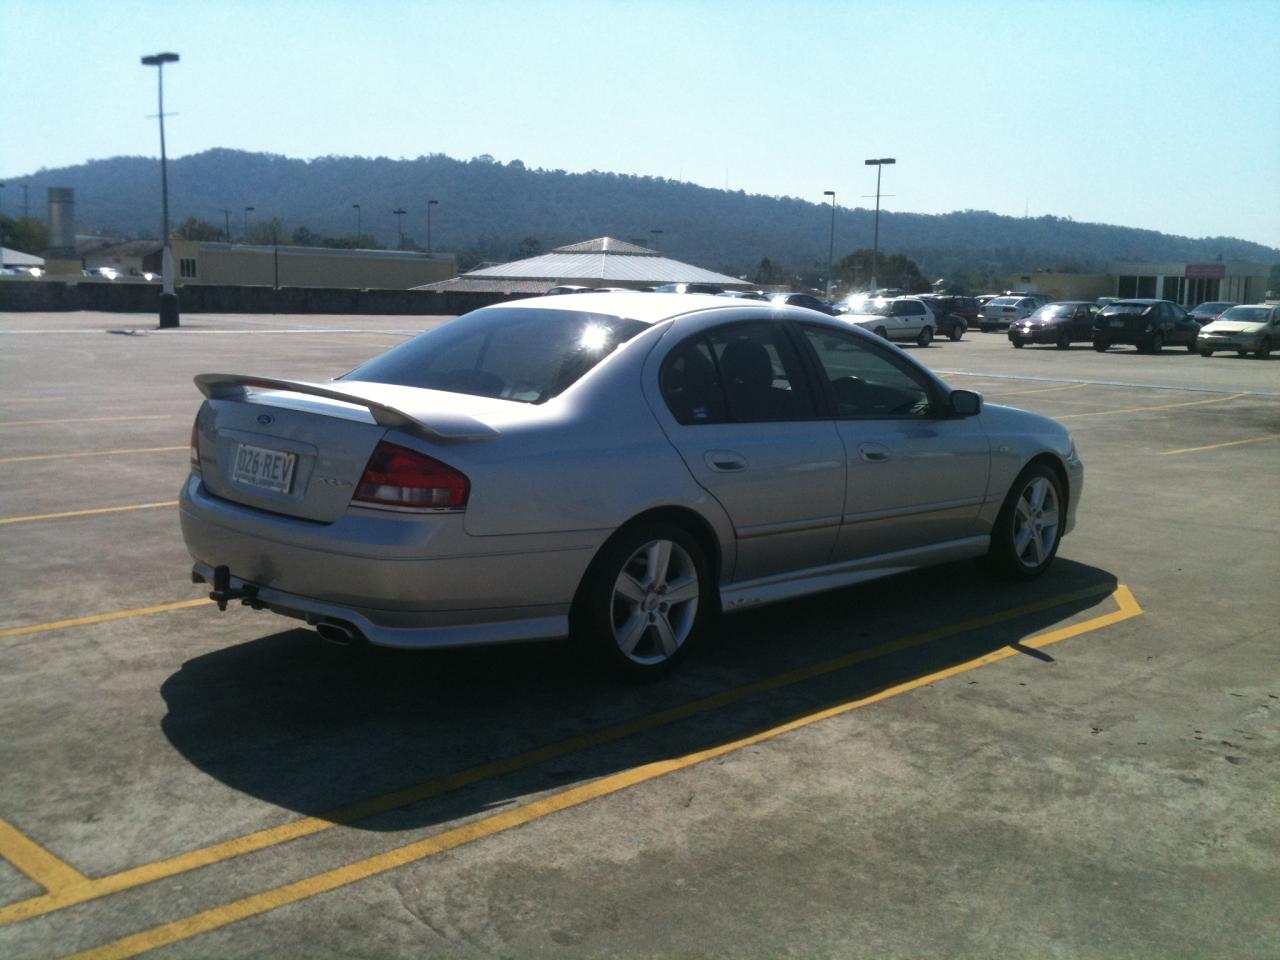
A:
[(195, 445), (399, 477)]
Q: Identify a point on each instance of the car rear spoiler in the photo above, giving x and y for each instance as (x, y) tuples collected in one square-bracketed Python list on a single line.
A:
[(443, 425)]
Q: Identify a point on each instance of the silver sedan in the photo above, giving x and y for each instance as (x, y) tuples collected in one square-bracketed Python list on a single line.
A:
[(617, 468)]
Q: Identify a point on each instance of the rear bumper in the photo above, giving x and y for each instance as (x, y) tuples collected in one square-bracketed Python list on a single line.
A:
[(402, 580)]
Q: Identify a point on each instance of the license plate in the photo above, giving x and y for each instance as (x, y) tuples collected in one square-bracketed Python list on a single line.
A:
[(260, 467), (1117, 323)]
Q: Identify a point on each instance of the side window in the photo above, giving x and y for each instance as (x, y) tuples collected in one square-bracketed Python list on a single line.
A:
[(761, 373), (865, 383), (691, 385)]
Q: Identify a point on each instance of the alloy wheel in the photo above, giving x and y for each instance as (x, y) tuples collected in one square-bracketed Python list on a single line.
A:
[(1035, 523), (655, 602)]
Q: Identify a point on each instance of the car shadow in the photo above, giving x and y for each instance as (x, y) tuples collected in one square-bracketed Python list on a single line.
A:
[(310, 728)]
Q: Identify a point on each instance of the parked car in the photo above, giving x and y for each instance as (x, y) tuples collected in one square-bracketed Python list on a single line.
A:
[(617, 468), (566, 288), (1208, 312), (966, 309), (1002, 311), (985, 298), (1064, 323), (1147, 324), (945, 324), (803, 300), (1041, 298), (1245, 328), (745, 294), (689, 288), (904, 318)]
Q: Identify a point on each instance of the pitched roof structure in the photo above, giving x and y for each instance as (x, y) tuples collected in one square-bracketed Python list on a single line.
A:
[(16, 258), (602, 262)]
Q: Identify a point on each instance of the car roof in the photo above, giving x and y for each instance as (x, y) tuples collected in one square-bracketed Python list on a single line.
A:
[(645, 307), (1142, 300)]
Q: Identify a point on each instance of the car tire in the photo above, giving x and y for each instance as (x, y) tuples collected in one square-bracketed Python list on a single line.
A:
[(1242, 353), (1028, 528), (1156, 343), (1064, 341), (957, 331), (1191, 345), (985, 327), (1264, 349), (882, 333), (1206, 353), (925, 337), (624, 615), (1017, 344), (1100, 345)]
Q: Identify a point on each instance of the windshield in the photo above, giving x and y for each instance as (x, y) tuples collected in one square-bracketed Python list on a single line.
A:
[(1211, 307), (876, 308), (1125, 309), (1004, 302), (525, 355), (1054, 310), (1247, 314)]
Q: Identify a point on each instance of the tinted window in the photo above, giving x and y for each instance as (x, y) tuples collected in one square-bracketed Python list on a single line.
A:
[(760, 372), (863, 382), (691, 384), (1125, 310), (513, 354), (1246, 314)]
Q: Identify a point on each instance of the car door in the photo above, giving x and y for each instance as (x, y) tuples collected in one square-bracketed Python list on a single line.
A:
[(916, 475), (737, 405), (911, 316), (1082, 322)]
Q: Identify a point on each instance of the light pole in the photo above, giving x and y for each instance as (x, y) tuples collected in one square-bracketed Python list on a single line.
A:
[(656, 235), (356, 208), (226, 223), (26, 212), (168, 299), (831, 246), (400, 212), (247, 211), (875, 245), (430, 204)]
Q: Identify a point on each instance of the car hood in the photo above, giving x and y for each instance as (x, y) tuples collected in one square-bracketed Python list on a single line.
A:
[(998, 419), (1231, 326)]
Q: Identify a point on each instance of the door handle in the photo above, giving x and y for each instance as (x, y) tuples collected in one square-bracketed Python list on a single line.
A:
[(724, 461), (874, 452)]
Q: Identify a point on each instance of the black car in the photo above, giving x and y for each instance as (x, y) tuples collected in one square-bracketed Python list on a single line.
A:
[(951, 309), (1061, 324), (1147, 324), (803, 300), (1208, 312)]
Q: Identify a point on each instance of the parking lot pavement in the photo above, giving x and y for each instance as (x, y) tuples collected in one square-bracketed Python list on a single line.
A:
[(934, 765)]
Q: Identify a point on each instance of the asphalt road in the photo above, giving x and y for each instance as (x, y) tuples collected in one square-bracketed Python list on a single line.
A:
[(934, 765)]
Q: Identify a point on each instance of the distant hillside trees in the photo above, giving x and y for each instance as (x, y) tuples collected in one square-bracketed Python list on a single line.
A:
[(25, 234)]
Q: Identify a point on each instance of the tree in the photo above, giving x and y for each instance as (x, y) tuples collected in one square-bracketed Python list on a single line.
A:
[(25, 233), (894, 270), (770, 274), (195, 229), (528, 247)]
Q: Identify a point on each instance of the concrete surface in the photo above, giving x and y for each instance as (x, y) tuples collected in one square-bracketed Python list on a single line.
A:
[(1110, 795)]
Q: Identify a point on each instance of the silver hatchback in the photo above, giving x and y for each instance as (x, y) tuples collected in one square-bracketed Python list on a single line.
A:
[(613, 467)]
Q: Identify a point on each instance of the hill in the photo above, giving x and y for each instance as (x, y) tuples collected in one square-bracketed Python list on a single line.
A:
[(489, 209)]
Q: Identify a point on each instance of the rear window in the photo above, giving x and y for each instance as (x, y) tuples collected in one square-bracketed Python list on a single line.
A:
[(1247, 314), (1004, 302), (1125, 310), (1212, 307), (528, 356), (1056, 310)]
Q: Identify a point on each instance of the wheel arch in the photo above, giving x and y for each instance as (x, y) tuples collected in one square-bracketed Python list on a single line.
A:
[(1054, 463)]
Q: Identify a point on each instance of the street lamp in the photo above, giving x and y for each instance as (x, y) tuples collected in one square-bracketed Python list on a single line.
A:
[(831, 246), (875, 246), (168, 299), (226, 223), (247, 211), (400, 212), (656, 235), (356, 208), (430, 204)]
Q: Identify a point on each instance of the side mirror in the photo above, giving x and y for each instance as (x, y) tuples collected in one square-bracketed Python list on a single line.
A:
[(965, 403)]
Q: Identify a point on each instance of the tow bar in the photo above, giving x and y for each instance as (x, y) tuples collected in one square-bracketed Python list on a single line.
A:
[(222, 592)]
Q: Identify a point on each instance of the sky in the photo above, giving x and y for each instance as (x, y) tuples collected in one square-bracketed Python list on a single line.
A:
[(1162, 114)]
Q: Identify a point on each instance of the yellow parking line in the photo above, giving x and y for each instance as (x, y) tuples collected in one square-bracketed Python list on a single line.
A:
[(86, 513), (91, 453), (306, 826), (212, 919), (37, 862), (102, 617), (1158, 406), (32, 423), (1219, 446), (1025, 393)]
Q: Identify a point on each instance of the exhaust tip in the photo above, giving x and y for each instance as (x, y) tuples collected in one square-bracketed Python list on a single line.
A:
[(339, 634)]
